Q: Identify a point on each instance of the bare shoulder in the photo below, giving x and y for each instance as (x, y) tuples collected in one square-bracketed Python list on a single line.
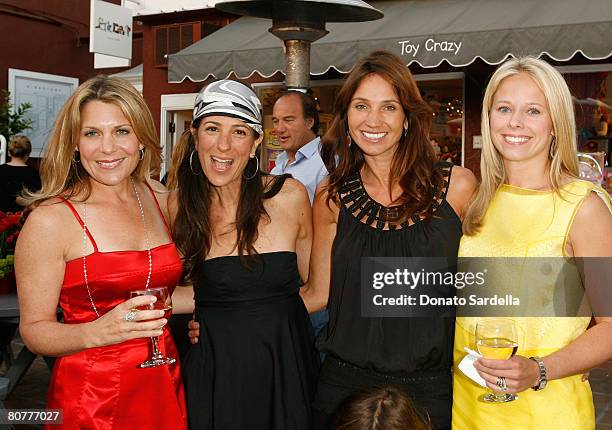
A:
[(322, 191), (592, 227), (463, 180), (161, 194), (594, 211), (293, 193), (325, 210), (292, 186), (462, 186), (160, 190), (50, 222), (323, 184), (49, 215), (157, 186)]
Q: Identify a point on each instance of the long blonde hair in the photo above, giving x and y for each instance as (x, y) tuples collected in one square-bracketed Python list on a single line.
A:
[(564, 160), (61, 173)]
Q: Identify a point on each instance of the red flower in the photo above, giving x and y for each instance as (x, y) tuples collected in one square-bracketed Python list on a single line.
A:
[(10, 225), (10, 240)]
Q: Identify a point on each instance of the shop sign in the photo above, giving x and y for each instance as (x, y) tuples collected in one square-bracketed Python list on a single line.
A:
[(110, 30), (430, 45)]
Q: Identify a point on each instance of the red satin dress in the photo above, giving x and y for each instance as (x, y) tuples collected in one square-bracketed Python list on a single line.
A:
[(103, 387)]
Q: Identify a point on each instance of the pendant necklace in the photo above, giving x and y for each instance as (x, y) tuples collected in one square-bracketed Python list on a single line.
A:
[(147, 244)]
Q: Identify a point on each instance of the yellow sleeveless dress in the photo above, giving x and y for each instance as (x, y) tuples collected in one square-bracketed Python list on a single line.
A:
[(526, 223)]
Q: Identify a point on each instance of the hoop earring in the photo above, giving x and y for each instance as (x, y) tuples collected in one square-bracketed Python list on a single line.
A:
[(77, 157), (191, 163), (255, 172), (141, 151), (348, 139), (553, 147)]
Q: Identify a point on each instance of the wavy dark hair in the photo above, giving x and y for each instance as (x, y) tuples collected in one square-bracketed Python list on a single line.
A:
[(192, 228), (413, 164)]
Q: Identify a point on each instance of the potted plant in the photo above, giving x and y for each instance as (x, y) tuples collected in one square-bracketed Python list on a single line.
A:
[(13, 120)]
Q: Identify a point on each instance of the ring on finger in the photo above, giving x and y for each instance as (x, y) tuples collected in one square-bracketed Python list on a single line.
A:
[(130, 316), (501, 383)]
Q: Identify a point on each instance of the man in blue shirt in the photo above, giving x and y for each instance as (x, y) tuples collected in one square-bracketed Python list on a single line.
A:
[(296, 123)]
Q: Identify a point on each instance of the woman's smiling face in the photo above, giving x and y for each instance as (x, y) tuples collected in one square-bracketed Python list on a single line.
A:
[(107, 145), (375, 115), (520, 122), (224, 146)]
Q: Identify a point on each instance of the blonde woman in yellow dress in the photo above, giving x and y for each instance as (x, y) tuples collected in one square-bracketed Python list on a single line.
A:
[(532, 204)]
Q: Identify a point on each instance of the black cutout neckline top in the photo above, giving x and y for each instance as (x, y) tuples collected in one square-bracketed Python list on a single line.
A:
[(393, 345), (355, 198)]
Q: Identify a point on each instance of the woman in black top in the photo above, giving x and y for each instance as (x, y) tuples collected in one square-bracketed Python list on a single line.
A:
[(386, 196), (245, 238), (16, 174)]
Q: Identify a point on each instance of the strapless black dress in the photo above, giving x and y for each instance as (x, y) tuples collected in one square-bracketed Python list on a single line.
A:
[(255, 366)]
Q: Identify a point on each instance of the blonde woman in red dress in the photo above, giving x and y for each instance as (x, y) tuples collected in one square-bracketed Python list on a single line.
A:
[(97, 232)]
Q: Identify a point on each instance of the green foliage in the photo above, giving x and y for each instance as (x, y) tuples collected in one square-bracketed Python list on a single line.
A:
[(13, 121)]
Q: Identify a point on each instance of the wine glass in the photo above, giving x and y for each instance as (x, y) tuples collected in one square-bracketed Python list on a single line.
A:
[(164, 303), (496, 338)]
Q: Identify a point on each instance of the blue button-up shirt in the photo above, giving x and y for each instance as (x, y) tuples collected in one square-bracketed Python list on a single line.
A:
[(308, 167)]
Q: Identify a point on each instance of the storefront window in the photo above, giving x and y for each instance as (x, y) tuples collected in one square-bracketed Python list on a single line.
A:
[(592, 95), (445, 96)]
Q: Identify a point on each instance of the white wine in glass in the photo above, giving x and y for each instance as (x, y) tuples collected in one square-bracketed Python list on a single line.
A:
[(496, 338), (163, 303)]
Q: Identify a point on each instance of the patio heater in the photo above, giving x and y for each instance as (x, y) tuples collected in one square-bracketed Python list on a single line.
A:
[(298, 23)]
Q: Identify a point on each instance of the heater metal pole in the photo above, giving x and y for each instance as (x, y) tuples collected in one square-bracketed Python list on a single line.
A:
[(298, 23), (298, 64)]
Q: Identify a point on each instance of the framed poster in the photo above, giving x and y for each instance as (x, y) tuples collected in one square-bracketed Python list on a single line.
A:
[(47, 94)]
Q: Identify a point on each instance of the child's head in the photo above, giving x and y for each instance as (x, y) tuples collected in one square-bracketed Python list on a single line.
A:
[(385, 408)]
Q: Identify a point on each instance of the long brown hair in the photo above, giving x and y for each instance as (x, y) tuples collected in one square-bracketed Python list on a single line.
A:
[(61, 174), (413, 165), (178, 154), (385, 408), (192, 228)]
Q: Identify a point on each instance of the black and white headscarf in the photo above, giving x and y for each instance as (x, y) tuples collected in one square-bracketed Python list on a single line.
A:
[(229, 98)]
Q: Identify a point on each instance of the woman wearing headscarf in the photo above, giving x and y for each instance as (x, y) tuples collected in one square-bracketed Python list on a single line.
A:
[(245, 239)]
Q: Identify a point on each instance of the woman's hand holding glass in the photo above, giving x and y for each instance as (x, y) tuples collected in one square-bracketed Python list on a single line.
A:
[(520, 373), (497, 341), (163, 304), (115, 326)]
